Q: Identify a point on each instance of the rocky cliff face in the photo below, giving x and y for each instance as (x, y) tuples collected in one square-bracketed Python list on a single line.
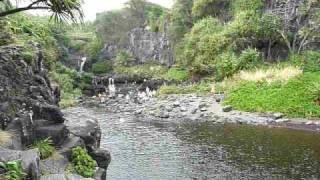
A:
[(145, 46), (150, 46), (29, 110)]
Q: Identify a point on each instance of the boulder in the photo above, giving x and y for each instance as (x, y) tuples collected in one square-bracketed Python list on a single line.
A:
[(54, 165), (30, 160), (57, 133), (102, 157)]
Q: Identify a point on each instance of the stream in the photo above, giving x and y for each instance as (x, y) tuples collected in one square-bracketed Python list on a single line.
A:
[(162, 150)]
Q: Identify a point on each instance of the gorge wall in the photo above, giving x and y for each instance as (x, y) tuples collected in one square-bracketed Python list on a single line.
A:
[(145, 46)]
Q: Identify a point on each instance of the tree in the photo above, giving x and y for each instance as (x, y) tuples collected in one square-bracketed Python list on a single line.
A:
[(181, 19), (61, 9), (301, 24), (215, 8)]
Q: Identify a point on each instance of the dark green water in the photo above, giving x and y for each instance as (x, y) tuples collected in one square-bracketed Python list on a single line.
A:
[(157, 150)]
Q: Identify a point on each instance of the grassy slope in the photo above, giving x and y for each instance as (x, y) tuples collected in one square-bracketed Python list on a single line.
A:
[(294, 98)]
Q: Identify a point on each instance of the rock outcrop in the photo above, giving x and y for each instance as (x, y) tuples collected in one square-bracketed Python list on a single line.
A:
[(150, 46), (29, 110), (145, 46)]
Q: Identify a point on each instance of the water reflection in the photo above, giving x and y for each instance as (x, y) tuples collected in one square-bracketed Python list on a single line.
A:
[(284, 153)]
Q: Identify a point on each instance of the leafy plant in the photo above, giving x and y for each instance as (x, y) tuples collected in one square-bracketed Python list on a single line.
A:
[(45, 148), (13, 170), (83, 164)]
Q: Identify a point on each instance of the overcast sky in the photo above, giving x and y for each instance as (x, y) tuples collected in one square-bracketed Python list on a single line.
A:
[(91, 7)]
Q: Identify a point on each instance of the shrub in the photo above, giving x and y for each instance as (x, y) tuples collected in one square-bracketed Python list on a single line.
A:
[(226, 65), (13, 170), (83, 164), (176, 74), (249, 59), (311, 61), (102, 67), (45, 148)]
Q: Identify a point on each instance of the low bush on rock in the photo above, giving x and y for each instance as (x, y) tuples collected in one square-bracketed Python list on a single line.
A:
[(82, 163), (13, 170), (45, 148)]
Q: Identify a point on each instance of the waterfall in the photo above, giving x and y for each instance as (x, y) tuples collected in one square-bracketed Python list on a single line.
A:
[(112, 88), (83, 62)]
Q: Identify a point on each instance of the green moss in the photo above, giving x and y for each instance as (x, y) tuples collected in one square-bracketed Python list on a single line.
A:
[(294, 98)]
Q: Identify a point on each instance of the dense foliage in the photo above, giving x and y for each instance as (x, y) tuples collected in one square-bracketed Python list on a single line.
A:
[(83, 164)]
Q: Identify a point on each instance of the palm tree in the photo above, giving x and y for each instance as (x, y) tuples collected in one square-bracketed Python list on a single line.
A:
[(61, 9)]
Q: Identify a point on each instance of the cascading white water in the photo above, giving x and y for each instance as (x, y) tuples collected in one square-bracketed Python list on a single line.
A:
[(83, 62), (112, 88)]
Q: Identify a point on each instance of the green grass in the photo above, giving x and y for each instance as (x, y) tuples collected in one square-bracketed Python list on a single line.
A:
[(200, 88), (296, 98)]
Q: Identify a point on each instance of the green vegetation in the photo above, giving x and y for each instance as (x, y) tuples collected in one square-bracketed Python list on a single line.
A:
[(45, 148), (102, 67), (61, 10), (83, 164), (145, 71), (176, 74), (299, 97), (13, 170), (200, 88), (68, 79)]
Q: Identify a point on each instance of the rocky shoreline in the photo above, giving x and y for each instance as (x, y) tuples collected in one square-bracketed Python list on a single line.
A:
[(29, 112), (195, 108)]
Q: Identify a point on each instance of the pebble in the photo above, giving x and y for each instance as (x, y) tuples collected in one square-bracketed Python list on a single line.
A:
[(309, 123), (278, 115), (227, 109), (183, 109), (203, 109), (176, 104)]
